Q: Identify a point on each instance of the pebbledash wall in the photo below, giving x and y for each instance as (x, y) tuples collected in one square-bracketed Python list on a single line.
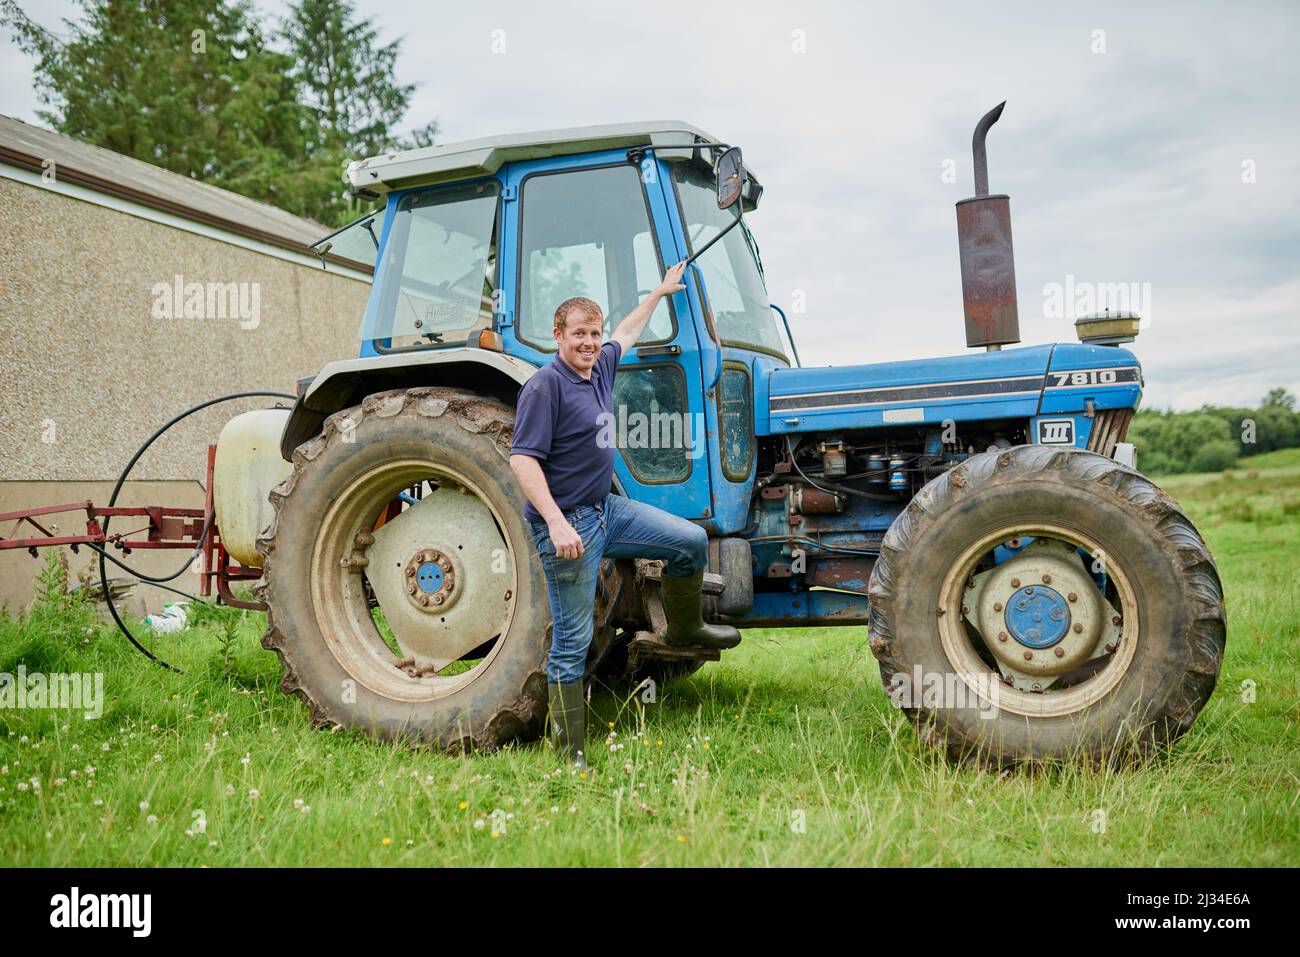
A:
[(95, 355)]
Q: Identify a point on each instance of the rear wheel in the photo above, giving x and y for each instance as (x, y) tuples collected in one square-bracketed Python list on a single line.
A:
[(1046, 604), (424, 621)]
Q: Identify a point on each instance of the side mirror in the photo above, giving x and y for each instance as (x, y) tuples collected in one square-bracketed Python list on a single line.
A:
[(731, 178)]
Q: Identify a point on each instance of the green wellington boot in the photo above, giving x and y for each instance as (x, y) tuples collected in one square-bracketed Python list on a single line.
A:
[(682, 599), (567, 720)]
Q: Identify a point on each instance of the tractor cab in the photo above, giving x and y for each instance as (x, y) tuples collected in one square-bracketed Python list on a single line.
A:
[(478, 242)]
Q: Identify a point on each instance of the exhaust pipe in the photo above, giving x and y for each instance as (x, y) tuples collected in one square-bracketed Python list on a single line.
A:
[(988, 266)]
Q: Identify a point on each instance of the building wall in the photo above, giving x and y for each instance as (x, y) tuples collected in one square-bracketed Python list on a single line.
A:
[(88, 370)]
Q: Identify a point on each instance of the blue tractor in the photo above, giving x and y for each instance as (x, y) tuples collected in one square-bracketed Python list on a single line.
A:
[(1029, 595)]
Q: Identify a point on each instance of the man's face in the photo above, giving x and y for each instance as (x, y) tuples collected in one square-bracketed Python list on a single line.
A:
[(579, 341)]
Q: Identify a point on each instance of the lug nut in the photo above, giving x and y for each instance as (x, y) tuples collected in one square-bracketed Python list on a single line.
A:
[(1047, 579), (438, 599), (1037, 687), (1060, 652), (410, 589), (1116, 620), (423, 599), (965, 609), (1078, 628), (410, 572), (997, 606), (1015, 583), (1002, 636), (1029, 656), (1110, 649), (1029, 590), (970, 582), (1072, 596)]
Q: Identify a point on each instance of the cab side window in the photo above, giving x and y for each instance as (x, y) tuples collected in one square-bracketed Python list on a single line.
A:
[(587, 233)]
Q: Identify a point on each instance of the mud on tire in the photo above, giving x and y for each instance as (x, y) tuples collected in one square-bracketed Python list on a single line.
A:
[(463, 431), (1179, 633)]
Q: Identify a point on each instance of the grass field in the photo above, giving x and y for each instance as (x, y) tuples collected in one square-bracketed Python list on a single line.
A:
[(786, 753)]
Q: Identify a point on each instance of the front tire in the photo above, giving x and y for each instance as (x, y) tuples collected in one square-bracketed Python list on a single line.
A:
[(1116, 663)]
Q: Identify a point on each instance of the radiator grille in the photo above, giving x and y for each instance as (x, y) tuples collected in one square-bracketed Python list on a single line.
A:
[(1109, 426)]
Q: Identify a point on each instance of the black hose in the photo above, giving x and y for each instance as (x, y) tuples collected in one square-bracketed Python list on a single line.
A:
[(208, 519)]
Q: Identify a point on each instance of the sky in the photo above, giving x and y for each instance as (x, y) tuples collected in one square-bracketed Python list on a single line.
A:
[(1155, 146)]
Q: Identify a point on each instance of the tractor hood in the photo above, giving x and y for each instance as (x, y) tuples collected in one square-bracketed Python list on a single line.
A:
[(1009, 384)]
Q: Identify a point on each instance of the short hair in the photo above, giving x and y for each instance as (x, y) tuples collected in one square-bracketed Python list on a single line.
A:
[(578, 304)]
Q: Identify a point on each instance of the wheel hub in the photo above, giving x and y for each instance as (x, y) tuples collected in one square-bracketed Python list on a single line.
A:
[(440, 573), (1041, 614), (430, 580), (1037, 616)]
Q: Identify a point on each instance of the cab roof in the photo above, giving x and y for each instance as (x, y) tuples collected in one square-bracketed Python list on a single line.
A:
[(448, 162)]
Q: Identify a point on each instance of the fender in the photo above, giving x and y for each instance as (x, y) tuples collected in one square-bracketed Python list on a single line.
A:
[(345, 383)]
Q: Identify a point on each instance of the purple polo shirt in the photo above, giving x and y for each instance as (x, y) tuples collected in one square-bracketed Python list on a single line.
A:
[(557, 421)]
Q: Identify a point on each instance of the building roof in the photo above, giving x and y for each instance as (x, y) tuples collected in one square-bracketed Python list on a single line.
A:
[(482, 157), (102, 170)]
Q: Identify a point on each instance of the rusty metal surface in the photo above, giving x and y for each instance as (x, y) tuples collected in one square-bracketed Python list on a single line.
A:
[(850, 574), (988, 268), (988, 271)]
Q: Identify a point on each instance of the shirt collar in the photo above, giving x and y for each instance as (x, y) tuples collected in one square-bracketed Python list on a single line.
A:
[(570, 373)]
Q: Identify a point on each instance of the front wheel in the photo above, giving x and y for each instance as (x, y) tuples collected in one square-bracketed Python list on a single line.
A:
[(1046, 604)]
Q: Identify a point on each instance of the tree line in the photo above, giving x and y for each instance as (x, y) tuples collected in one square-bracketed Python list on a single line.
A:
[(1213, 437), (204, 88)]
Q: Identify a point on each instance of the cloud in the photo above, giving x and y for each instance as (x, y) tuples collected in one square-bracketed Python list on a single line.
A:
[(1122, 166)]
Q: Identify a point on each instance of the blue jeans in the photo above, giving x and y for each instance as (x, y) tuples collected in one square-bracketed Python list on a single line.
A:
[(616, 528)]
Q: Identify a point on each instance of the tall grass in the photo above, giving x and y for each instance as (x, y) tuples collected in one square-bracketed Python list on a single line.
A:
[(785, 753)]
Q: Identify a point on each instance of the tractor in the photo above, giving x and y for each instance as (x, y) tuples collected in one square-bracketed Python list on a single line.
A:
[(1028, 594)]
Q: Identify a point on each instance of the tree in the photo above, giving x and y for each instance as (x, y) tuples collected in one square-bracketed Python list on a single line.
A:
[(188, 85), (197, 87), (1278, 398), (347, 82)]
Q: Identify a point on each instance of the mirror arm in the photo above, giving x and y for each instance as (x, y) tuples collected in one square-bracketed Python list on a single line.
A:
[(728, 228)]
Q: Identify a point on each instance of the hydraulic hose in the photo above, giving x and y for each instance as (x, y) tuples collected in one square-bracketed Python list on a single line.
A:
[(207, 523)]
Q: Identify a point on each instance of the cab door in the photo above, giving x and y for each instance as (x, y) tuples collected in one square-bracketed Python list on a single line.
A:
[(596, 226)]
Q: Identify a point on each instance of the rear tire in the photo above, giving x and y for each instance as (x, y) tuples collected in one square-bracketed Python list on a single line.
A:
[(319, 621), (1150, 676)]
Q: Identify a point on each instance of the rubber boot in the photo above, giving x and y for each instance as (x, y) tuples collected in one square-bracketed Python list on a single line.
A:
[(682, 599), (567, 719)]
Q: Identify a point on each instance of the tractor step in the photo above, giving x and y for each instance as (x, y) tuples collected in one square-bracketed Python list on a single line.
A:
[(646, 644)]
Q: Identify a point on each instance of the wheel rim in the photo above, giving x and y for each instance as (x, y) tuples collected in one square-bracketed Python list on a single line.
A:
[(1031, 627), (415, 555)]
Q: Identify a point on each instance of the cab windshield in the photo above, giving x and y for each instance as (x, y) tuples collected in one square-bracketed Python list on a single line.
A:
[(732, 270), (439, 269)]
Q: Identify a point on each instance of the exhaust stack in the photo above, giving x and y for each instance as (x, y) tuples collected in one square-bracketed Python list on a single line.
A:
[(988, 267)]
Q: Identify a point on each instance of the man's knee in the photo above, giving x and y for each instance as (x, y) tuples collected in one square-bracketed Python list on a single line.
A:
[(695, 541)]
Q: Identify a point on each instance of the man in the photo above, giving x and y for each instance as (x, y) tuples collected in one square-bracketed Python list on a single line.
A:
[(566, 473)]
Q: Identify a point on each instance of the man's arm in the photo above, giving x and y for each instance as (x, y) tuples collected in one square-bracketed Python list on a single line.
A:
[(630, 329), (568, 543)]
